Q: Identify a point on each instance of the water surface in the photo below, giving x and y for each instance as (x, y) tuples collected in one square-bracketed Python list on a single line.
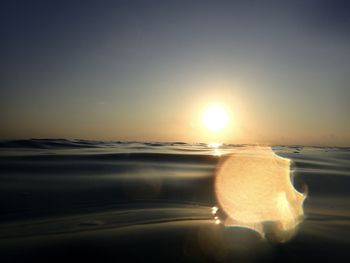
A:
[(100, 200)]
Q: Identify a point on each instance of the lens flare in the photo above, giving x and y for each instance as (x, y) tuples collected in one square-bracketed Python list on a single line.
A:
[(253, 186)]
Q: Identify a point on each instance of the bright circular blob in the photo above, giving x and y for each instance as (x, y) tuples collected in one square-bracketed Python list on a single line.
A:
[(253, 186), (215, 118)]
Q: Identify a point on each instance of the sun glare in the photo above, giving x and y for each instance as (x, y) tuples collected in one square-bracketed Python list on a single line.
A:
[(215, 118)]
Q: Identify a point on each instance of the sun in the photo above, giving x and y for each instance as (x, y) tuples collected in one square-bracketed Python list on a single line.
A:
[(215, 118)]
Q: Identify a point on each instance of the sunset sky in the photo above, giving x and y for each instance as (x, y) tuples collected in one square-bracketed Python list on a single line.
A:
[(148, 70)]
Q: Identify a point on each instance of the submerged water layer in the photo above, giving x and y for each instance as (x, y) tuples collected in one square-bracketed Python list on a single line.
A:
[(253, 186), (101, 201)]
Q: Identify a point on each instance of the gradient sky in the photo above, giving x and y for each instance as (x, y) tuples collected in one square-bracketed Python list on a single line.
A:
[(146, 70)]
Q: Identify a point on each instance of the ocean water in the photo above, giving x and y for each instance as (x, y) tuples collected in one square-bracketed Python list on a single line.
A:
[(107, 201)]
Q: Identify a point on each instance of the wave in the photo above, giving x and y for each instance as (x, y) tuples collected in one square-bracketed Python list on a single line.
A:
[(76, 143), (81, 143), (168, 157), (115, 218)]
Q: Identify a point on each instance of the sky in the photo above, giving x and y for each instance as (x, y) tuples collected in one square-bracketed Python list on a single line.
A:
[(146, 70)]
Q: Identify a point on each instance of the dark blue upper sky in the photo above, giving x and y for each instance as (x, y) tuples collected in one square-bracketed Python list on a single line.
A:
[(144, 70)]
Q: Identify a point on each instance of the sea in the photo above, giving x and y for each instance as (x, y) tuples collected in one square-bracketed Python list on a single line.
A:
[(116, 201)]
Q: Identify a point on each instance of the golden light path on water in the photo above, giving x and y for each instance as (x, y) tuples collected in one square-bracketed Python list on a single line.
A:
[(253, 187)]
